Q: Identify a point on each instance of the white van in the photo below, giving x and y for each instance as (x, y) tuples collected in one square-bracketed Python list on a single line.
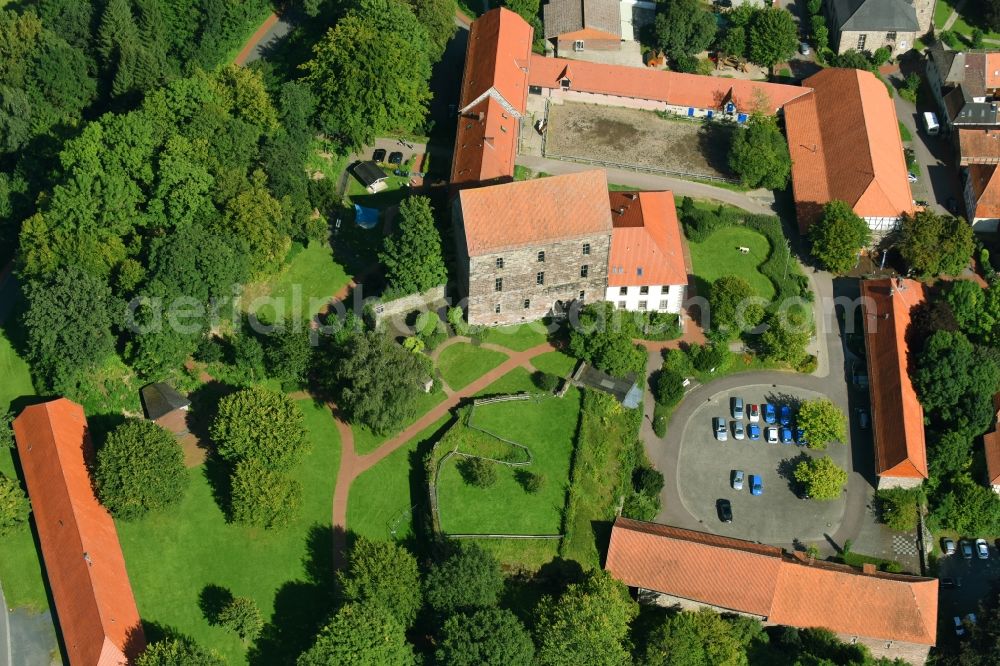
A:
[(931, 124)]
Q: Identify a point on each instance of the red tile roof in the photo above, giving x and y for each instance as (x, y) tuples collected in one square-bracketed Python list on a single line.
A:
[(985, 183), (83, 558), (991, 445), (845, 144), (992, 70), (897, 416), (493, 96), (647, 237), (703, 92), (535, 212), (979, 146), (767, 582)]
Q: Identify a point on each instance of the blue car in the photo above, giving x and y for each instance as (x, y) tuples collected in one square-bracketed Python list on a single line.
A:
[(756, 485), (753, 431), (800, 437), (786, 415), (785, 435), (768, 413)]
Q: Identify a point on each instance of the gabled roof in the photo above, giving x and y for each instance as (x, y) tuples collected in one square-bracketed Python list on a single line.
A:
[(601, 17), (160, 399), (897, 416), (991, 446), (881, 15), (703, 92), (493, 97), (645, 240), (845, 144), (767, 582), (984, 180), (97, 614), (368, 173), (950, 65), (979, 146), (535, 212)]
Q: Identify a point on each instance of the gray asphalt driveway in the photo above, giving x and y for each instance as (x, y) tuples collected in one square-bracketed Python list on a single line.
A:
[(705, 469)]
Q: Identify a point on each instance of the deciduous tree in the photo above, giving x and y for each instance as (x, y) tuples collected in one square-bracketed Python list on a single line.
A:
[(385, 575), (669, 387), (735, 306), (773, 37), (933, 244), (759, 154), (261, 425), (602, 337), (822, 421), (412, 256), (242, 617), (14, 506), (360, 634), (469, 578), (488, 637), (683, 27), (838, 237), (178, 651), (954, 383), (822, 478), (786, 338), (898, 507), (140, 468), (263, 497), (438, 17), (702, 637)]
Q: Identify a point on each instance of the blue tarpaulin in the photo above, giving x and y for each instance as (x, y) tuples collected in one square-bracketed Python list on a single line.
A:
[(366, 218)]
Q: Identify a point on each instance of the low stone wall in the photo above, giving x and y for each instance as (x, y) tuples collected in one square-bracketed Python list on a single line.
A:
[(398, 306)]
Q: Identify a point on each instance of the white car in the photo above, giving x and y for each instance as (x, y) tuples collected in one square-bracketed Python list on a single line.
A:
[(754, 413), (738, 480), (982, 550), (719, 427), (912, 177), (738, 432), (772, 435), (959, 629)]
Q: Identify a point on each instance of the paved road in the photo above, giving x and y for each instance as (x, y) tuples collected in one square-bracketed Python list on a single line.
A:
[(272, 31), (5, 651), (755, 201)]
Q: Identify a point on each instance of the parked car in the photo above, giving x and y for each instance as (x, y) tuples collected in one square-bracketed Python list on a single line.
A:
[(971, 618), (738, 479), (396, 158), (966, 547), (772, 435), (863, 421), (725, 510), (804, 48), (737, 407), (948, 546), (948, 582), (753, 431), (378, 155), (785, 415), (768, 410), (754, 413), (912, 177), (951, 205), (738, 432), (802, 491), (982, 550), (959, 629), (800, 437), (785, 434), (719, 427), (756, 485)]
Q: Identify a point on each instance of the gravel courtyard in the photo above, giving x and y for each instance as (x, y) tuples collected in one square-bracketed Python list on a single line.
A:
[(641, 138)]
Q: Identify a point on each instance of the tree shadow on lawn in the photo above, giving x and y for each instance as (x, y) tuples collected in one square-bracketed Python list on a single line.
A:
[(714, 139), (212, 600), (301, 607), (421, 539)]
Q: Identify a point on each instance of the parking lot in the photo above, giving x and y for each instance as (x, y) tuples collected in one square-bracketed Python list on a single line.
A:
[(977, 579), (705, 468)]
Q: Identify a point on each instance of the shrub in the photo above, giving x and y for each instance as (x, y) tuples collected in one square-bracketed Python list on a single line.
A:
[(533, 483), (660, 426), (647, 481), (479, 472), (14, 506), (545, 381), (209, 350), (881, 56), (413, 344), (242, 617), (669, 387), (661, 326), (897, 508), (707, 358), (814, 6), (457, 320)]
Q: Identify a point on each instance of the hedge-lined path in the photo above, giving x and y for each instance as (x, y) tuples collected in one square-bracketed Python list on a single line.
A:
[(352, 464)]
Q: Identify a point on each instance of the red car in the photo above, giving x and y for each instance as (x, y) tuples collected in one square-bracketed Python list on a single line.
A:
[(754, 413)]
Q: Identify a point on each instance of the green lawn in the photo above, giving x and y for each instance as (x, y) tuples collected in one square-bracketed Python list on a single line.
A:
[(172, 555), (365, 441), (517, 380), (555, 362), (519, 337), (381, 498), (397, 189), (904, 132), (548, 428), (463, 363), (304, 286), (943, 9), (719, 255)]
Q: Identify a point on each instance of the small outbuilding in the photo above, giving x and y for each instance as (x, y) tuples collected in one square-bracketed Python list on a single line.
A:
[(625, 390), (166, 407), (370, 175)]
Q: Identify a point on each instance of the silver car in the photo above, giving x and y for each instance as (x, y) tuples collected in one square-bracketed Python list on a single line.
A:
[(738, 480), (738, 432), (719, 427), (737, 408)]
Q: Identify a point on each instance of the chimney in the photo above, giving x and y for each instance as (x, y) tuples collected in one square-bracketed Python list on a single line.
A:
[(620, 210), (632, 196), (868, 568)]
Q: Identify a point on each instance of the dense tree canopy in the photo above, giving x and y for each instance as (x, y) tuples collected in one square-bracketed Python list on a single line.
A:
[(262, 425), (954, 383), (263, 497), (821, 477), (140, 468), (412, 255), (602, 336), (470, 578), (683, 27), (242, 616), (786, 337), (176, 651), (489, 637), (360, 634), (838, 237), (773, 36), (759, 154), (438, 17), (933, 244), (697, 638), (735, 306), (385, 575), (370, 74), (822, 421), (14, 505)]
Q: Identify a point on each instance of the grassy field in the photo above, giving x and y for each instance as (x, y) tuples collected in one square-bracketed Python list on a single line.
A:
[(904, 132), (463, 363), (548, 428), (381, 498), (555, 362), (303, 287), (365, 441), (516, 381), (518, 337), (719, 255), (173, 555), (962, 25)]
